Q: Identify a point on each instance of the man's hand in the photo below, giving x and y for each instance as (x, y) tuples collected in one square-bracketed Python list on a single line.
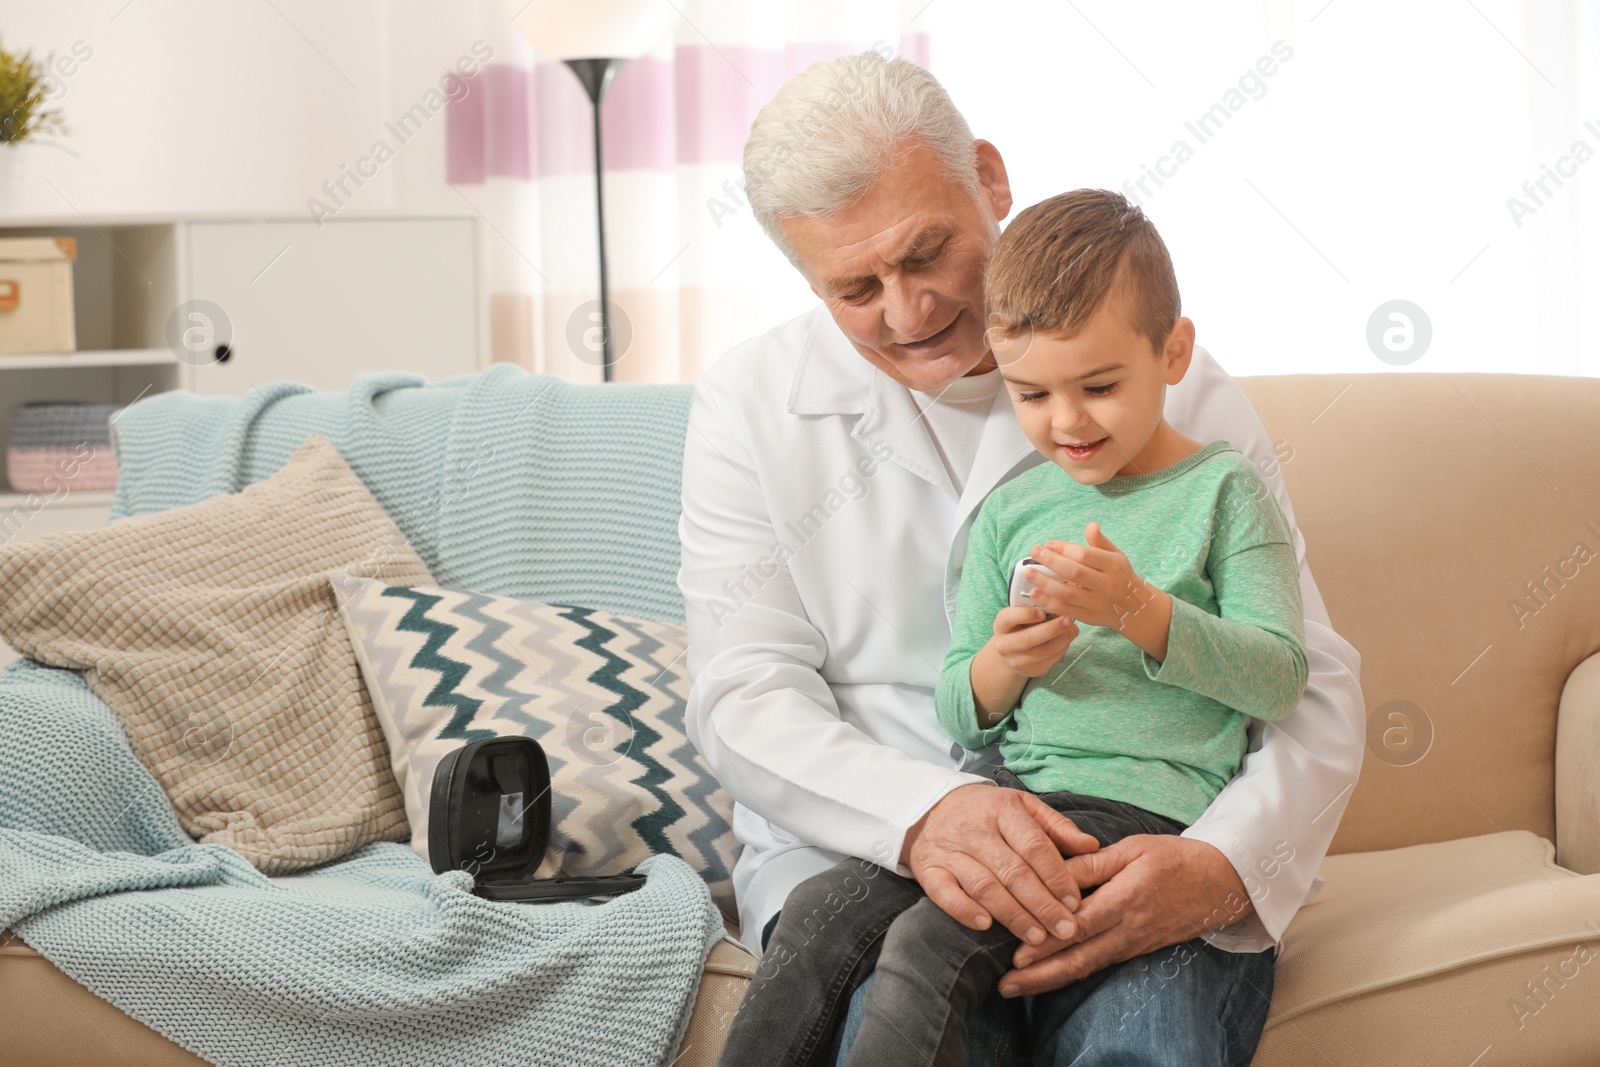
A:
[(986, 854), (1154, 891)]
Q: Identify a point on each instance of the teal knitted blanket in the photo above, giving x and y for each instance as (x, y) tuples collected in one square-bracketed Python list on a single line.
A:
[(371, 959), (505, 482)]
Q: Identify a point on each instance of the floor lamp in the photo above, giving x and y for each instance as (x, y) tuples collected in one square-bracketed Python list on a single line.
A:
[(596, 75), (594, 40)]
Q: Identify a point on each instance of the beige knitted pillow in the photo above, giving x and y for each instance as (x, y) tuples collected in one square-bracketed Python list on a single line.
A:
[(213, 632)]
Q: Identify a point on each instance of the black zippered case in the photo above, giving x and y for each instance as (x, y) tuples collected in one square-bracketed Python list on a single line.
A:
[(489, 814)]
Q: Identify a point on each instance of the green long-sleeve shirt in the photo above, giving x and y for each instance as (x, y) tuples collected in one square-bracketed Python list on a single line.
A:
[(1108, 720)]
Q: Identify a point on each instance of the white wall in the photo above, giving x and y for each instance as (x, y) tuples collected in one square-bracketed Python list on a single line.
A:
[(197, 106), (1375, 164)]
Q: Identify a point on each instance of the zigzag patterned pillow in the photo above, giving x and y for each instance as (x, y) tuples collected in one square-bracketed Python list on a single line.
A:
[(603, 695)]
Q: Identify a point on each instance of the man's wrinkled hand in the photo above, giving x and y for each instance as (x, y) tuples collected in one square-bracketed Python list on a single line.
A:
[(1154, 891), (987, 854)]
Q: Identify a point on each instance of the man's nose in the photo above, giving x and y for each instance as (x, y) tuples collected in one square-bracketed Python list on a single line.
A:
[(907, 303)]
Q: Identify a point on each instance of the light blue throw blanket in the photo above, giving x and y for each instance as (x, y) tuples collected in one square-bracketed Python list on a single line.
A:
[(504, 482)]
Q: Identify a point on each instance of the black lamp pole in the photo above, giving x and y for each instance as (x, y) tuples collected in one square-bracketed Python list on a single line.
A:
[(596, 75)]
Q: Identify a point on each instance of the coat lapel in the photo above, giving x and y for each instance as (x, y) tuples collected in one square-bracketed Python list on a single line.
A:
[(1003, 453), (832, 378), (1002, 448)]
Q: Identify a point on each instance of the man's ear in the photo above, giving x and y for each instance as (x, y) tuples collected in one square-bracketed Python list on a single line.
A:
[(993, 182), (1179, 350)]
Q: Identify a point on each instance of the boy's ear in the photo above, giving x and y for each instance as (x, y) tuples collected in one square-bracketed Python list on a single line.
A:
[(1179, 350)]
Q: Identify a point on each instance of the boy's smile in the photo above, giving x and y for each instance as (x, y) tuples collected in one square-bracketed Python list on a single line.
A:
[(1092, 402)]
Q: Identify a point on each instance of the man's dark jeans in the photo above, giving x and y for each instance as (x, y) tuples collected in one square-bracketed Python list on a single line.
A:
[(929, 975)]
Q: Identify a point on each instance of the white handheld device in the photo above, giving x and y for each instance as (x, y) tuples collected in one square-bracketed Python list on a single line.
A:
[(1021, 590)]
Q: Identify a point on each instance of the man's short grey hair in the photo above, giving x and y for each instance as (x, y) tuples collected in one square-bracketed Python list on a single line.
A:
[(837, 125)]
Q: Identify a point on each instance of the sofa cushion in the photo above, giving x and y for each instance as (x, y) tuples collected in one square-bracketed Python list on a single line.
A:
[(212, 632), (603, 694), (1434, 953)]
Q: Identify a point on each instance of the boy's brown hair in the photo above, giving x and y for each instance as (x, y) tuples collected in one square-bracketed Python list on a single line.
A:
[(1055, 264)]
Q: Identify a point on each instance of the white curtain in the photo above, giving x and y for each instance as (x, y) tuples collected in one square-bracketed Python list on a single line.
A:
[(1341, 154), (690, 270)]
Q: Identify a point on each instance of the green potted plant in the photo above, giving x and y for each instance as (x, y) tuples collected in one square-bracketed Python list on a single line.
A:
[(25, 112)]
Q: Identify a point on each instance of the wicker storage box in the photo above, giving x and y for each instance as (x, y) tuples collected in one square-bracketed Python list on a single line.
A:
[(60, 446)]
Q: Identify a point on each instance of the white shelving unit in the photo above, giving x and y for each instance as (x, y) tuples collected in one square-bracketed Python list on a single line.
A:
[(94, 498), (315, 304), (111, 357), (72, 362)]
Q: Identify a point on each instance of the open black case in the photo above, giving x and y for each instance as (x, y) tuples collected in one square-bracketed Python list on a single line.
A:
[(489, 814)]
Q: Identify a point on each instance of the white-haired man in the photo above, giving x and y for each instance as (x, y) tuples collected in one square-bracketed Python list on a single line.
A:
[(831, 472)]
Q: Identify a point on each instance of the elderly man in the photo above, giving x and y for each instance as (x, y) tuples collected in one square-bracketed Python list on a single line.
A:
[(831, 472)]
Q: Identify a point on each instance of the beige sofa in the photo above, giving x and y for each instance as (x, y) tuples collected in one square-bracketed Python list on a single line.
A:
[(1460, 923)]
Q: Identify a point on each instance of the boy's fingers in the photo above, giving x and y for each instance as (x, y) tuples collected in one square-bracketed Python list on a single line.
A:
[(1038, 665), (1068, 576), (1099, 536), (1044, 585), (1041, 657), (1021, 627), (1039, 634), (1057, 551), (1065, 602), (1085, 560), (1063, 642), (1012, 619), (1054, 602)]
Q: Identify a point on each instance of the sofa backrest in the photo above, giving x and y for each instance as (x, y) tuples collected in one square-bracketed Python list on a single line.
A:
[(1452, 523)]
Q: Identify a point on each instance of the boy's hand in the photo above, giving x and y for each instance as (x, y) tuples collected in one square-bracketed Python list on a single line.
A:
[(1099, 586), (1028, 643)]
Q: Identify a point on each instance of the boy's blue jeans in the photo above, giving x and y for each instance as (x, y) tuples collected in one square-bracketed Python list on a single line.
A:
[(862, 968), (1129, 1014)]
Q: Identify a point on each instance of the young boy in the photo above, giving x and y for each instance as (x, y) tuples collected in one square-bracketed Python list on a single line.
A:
[(1120, 695)]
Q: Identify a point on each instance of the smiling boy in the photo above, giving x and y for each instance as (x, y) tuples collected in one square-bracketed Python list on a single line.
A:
[(1181, 609), (1200, 558)]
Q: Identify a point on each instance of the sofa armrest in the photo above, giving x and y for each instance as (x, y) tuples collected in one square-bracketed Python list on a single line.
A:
[(1578, 770)]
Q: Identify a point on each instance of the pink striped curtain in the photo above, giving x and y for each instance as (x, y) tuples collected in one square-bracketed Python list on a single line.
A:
[(690, 270)]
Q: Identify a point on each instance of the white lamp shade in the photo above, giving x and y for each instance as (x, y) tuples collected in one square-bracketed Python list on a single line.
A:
[(591, 29)]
